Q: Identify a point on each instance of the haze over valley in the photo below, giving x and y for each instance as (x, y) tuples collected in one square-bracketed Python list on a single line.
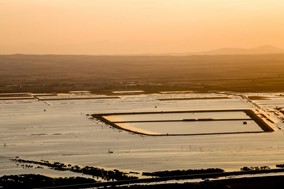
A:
[(99, 74)]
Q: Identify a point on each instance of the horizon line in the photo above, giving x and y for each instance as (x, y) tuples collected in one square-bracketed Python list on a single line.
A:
[(187, 53)]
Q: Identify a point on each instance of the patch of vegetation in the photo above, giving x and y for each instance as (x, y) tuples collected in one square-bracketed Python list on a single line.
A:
[(255, 168), (28, 181), (280, 165), (93, 171), (182, 172)]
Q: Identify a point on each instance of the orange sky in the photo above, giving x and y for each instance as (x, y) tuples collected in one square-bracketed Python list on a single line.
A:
[(137, 26)]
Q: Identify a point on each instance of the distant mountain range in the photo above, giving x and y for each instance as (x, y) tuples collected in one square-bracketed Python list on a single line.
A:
[(266, 49)]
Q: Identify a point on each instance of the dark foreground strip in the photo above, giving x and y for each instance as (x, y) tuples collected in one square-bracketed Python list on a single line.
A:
[(154, 180)]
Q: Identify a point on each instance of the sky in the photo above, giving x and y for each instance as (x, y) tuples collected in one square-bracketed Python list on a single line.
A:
[(137, 26)]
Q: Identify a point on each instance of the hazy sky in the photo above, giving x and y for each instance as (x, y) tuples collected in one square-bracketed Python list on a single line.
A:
[(137, 26)]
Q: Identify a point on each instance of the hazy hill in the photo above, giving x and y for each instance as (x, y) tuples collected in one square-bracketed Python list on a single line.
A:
[(266, 49)]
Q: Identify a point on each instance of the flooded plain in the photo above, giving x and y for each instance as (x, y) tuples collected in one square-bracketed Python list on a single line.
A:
[(60, 130)]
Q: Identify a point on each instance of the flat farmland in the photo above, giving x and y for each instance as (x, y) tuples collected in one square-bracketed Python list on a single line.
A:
[(103, 74)]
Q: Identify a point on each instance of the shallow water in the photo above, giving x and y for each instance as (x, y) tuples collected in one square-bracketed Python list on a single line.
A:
[(193, 127), (178, 116), (61, 131)]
